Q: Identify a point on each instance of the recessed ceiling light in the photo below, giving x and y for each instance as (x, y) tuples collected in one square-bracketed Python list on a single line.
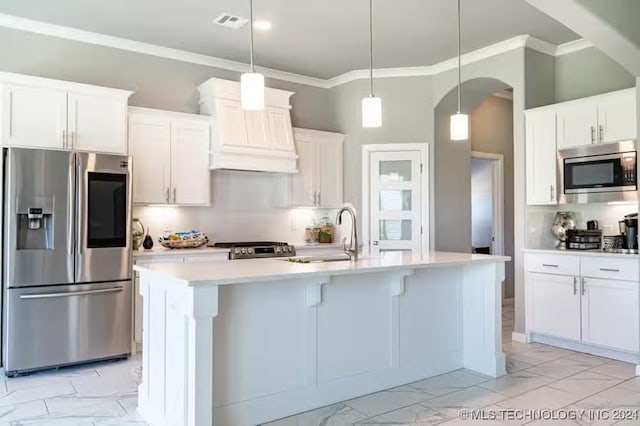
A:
[(262, 25)]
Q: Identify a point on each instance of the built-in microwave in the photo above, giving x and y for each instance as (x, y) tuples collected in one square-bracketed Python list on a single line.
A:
[(598, 173)]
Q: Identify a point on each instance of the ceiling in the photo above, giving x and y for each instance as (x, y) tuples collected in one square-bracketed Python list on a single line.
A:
[(314, 38)]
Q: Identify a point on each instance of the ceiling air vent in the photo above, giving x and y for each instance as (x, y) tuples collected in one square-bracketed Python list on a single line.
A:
[(231, 21)]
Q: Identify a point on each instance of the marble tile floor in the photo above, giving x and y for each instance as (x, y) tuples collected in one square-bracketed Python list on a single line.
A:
[(540, 377)]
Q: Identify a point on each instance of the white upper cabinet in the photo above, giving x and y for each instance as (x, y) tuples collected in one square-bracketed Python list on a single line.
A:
[(150, 147), (598, 119), (248, 140), (53, 114), (617, 116), (318, 182), (190, 175), (541, 153), (170, 157), (34, 117), (97, 123)]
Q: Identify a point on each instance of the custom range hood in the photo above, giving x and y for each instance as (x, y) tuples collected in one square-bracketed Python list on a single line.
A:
[(260, 141)]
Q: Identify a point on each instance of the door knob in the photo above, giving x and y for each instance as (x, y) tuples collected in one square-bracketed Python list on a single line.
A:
[(375, 243)]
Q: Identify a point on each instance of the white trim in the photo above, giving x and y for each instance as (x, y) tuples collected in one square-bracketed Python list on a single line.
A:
[(498, 199), (74, 34), (637, 370), (505, 94), (519, 337), (573, 46), (68, 33), (426, 186)]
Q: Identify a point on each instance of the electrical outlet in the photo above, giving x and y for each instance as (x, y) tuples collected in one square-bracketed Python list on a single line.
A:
[(294, 224)]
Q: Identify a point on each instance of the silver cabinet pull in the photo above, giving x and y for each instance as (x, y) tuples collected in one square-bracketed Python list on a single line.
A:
[(546, 265), (601, 133), (583, 290), (609, 270), (319, 202), (551, 193), (70, 293), (375, 243), (174, 195), (73, 139), (167, 196), (593, 134), (575, 285), (64, 139), (315, 198)]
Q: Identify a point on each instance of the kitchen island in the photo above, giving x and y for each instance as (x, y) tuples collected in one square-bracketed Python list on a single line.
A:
[(250, 341)]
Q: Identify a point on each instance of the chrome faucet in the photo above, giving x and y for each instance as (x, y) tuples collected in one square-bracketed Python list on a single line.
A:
[(352, 250)]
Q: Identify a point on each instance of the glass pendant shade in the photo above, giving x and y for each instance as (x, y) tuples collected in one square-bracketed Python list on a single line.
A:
[(371, 112), (252, 91), (459, 127)]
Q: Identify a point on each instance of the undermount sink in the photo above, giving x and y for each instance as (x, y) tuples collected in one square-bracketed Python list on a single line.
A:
[(315, 259)]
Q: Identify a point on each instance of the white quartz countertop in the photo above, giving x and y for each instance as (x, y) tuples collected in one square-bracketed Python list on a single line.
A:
[(590, 253), (161, 251), (260, 270)]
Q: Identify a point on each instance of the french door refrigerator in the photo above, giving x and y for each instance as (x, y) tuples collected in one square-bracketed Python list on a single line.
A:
[(67, 289)]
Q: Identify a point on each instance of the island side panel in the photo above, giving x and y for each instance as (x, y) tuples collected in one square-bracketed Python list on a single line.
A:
[(482, 318), (286, 347)]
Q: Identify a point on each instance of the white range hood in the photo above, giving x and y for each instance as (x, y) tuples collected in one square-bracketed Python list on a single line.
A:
[(259, 141)]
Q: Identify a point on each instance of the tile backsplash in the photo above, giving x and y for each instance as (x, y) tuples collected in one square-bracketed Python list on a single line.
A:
[(540, 219), (245, 206)]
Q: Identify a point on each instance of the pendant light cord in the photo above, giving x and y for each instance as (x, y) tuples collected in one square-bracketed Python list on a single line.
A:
[(251, 35), (371, 47), (459, 60)]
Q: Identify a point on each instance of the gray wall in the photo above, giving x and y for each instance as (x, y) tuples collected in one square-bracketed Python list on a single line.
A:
[(157, 82), (406, 118), (588, 72), (492, 132)]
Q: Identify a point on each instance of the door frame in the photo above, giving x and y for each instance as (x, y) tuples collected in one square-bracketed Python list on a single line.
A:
[(424, 149), (497, 171)]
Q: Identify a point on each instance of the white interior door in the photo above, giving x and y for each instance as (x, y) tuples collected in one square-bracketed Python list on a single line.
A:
[(395, 201)]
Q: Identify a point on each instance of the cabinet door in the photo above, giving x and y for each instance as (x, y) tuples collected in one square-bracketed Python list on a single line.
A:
[(257, 129), (555, 305), (329, 174), (541, 156), (190, 179), (302, 185), (232, 127), (150, 148), (617, 117), (34, 117), (577, 124), (279, 123), (610, 313), (97, 123)]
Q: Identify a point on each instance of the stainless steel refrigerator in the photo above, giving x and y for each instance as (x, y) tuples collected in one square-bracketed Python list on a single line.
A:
[(66, 270)]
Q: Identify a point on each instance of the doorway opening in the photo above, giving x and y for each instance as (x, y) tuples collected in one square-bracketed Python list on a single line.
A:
[(487, 206)]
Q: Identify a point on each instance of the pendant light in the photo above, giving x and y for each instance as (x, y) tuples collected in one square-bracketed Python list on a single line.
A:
[(371, 105), (252, 83), (459, 122)]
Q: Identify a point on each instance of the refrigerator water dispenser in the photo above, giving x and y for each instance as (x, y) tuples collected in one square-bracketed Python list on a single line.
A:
[(35, 227)]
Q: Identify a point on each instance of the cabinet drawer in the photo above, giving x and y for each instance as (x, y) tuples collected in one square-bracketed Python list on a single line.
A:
[(610, 268), (552, 264)]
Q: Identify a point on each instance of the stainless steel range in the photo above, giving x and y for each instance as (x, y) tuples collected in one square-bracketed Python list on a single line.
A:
[(256, 249)]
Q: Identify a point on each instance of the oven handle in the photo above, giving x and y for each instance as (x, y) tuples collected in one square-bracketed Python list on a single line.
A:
[(71, 293)]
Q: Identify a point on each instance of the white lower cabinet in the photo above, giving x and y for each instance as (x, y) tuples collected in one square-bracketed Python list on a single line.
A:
[(585, 305), (610, 313), (556, 305)]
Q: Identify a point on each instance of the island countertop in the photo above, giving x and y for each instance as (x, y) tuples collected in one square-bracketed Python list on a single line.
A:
[(259, 270)]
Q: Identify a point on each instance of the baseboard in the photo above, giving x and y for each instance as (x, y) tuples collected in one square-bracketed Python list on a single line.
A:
[(637, 370), (519, 337), (631, 357)]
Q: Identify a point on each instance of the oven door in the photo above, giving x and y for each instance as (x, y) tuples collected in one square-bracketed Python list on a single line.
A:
[(104, 218), (600, 178)]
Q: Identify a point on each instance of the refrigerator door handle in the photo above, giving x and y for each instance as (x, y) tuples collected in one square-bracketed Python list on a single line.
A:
[(70, 217), (79, 206), (71, 293)]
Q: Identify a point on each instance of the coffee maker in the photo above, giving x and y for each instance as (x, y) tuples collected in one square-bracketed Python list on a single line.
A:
[(629, 230)]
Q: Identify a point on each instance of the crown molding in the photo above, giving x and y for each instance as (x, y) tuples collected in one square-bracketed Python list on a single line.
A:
[(573, 46), (68, 33)]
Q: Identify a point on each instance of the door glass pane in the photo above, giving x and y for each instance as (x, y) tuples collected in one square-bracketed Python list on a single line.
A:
[(107, 210), (395, 200), (395, 171), (393, 229)]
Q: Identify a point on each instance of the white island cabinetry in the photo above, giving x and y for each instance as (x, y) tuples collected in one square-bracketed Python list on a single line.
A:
[(273, 338)]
